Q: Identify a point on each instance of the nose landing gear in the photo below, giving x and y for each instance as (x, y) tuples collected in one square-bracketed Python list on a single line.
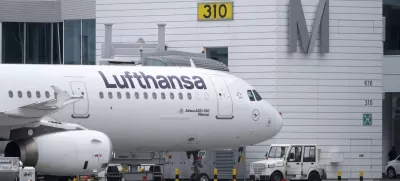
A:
[(197, 176)]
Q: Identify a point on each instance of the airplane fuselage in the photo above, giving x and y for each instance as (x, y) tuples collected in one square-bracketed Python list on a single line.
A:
[(146, 108)]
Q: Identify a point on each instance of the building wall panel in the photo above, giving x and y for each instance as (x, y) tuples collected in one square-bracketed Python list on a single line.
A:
[(78, 9)]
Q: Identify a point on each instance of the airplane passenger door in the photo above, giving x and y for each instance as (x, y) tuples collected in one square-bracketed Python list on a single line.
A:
[(225, 105), (81, 107)]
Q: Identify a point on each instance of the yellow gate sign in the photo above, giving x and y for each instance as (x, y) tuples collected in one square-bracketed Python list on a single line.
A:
[(214, 11)]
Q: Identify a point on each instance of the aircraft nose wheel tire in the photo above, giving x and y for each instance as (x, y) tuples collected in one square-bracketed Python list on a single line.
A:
[(391, 173)]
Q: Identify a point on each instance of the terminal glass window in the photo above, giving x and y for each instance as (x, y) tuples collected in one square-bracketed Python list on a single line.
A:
[(32, 43), (38, 43), (218, 53), (88, 42), (80, 41), (13, 42), (72, 35), (391, 12)]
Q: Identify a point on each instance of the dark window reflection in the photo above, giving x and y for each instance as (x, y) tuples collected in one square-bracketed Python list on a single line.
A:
[(88, 42), (38, 43), (72, 39), (12, 42), (392, 32)]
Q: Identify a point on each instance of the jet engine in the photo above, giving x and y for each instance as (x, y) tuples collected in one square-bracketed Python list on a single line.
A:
[(68, 153)]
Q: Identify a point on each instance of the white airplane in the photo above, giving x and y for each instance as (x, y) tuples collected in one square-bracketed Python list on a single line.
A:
[(66, 120)]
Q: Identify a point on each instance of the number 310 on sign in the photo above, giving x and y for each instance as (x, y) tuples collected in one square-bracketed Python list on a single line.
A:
[(214, 11)]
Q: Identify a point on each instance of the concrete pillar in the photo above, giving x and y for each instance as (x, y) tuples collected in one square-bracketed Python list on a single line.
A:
[(161, 37), (108, 41)]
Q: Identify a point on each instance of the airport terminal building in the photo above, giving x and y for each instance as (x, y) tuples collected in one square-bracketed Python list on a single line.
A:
[(330, 67)]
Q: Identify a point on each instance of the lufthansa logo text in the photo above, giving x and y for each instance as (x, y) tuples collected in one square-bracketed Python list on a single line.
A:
[(150, 81)]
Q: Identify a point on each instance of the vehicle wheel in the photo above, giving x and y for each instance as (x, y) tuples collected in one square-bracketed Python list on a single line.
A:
[(391, 172), (202, 177), (276, 176), (314, 176)]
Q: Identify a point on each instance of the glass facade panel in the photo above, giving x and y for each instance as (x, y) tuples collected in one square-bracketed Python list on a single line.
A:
[(38, 43), (12, 42), (72, 39), (58, 43), (88, 42), (46, 43)]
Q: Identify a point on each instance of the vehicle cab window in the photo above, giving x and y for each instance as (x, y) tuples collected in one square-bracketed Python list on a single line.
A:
[(295, 154), (277, 151), (309, 154), (258, 96), (250, 94)]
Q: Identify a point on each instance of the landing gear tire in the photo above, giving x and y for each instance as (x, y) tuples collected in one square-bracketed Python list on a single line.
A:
[(391, 173), (276, 176), (200, 177), (314, 176)]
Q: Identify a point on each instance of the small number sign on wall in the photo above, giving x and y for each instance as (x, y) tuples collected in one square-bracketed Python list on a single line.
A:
[(215, 11)]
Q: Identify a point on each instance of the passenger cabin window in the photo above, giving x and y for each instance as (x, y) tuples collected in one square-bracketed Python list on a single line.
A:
[(37, 94), (101, 95), (154, 95), (258, 97), (47, 94), (137, 95), (189, 96), (162, 95), (19, 94), (145, 95), (110, 95), (180, 95), (251, 96), (171, 95), (10, 94), (29, 94), (128, 95), (119, 95)]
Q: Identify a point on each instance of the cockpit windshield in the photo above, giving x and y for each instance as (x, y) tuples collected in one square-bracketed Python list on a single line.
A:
[(251, 96), (277, 151), (258, 97)]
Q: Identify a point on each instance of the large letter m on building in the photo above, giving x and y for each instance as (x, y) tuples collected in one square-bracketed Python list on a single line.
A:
[(297, 23)]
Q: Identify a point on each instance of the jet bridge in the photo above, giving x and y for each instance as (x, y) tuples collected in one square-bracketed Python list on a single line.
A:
[(152, 54)]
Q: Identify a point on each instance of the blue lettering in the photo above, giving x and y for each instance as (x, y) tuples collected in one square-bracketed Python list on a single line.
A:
[(126, 80)]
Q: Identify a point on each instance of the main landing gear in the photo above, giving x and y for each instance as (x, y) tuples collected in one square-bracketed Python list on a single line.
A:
[(197, 176)]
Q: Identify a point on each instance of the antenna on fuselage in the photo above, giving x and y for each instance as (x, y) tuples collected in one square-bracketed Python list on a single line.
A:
[(192, 64)]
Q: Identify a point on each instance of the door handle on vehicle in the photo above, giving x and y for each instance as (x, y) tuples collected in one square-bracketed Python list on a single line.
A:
[(297, 163), (312, 163)]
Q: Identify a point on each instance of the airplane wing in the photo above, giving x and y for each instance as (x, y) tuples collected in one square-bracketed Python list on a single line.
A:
[(35, 112)]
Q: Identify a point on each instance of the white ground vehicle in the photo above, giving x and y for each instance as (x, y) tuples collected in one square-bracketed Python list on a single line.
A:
[(289, 161), (393, 168)]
